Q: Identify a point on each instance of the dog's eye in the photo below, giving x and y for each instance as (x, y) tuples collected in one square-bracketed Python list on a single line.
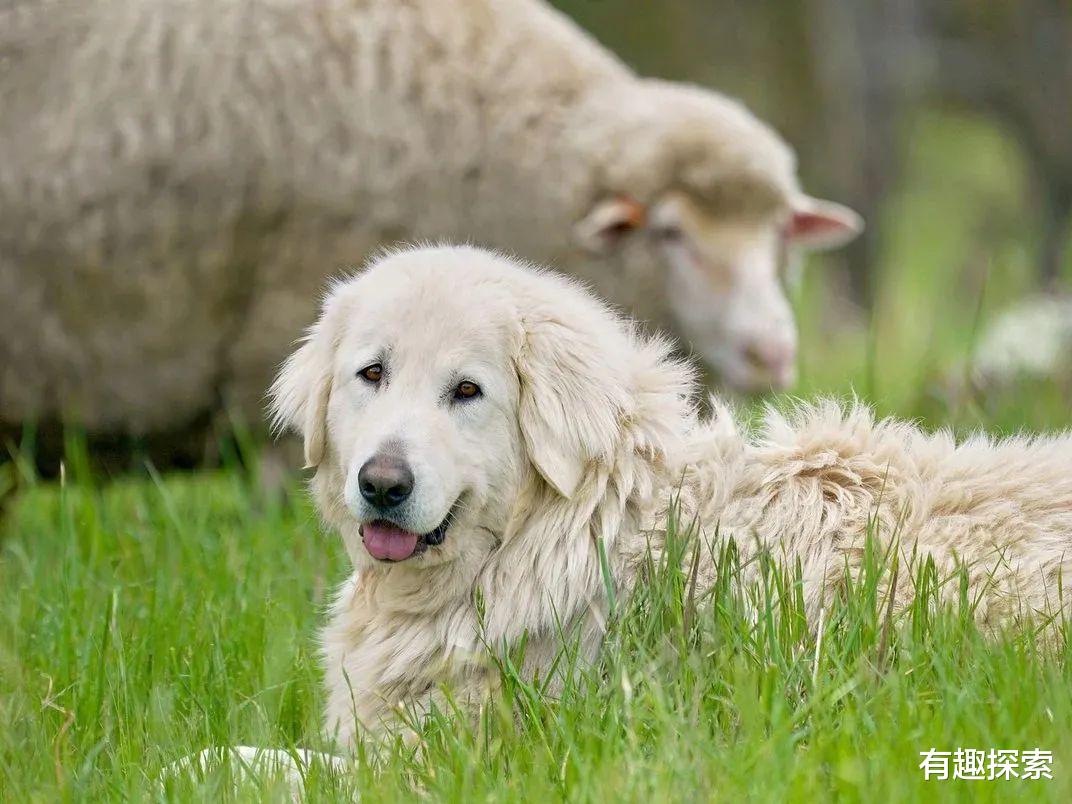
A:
[(373, 373), (466, 390)]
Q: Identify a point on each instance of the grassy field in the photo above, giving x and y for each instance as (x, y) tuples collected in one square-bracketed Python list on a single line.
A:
[(148, 617)]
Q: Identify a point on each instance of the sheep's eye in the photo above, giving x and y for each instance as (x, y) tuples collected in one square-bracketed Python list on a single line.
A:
[(466, 390), (668, 234), (619, 229), (373, 373)]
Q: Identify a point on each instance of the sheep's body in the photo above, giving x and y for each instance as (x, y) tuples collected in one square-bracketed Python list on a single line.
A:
[(178, 179), (1032, 338)]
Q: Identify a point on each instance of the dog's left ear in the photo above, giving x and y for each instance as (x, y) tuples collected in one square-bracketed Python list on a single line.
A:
[(572, 402), (299, 396)]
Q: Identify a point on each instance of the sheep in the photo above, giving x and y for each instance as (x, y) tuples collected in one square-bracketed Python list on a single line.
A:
[(1032, 338), (1025, 349), (177, 180)]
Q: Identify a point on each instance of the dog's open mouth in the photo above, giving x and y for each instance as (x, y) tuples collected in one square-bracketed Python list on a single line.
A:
[(386, 541)]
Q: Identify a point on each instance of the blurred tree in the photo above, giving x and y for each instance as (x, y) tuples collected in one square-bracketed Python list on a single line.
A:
[(1013, 58), (866, 75)]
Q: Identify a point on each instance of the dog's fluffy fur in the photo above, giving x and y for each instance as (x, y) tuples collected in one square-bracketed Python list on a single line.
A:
[(585, 432)]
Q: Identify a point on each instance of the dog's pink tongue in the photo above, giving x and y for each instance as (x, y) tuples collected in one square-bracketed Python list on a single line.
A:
[(384, 541)]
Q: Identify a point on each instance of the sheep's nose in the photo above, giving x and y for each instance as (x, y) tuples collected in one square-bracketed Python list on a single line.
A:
[(386, 481), (775, 359)]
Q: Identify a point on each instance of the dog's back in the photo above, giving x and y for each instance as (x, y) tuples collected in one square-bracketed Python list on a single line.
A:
[(816, 484)]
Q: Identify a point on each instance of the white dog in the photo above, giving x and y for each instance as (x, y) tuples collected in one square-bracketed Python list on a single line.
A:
[(483, 430)]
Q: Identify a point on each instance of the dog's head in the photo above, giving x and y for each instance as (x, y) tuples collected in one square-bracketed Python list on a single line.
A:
[(441, 383)]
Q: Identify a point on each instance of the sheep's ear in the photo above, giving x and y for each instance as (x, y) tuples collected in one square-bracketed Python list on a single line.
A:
[(299, 396), (609, 222), (571, 403), (818, 225)]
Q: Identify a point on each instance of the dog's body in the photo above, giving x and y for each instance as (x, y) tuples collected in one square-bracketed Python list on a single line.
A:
[(484, 431)]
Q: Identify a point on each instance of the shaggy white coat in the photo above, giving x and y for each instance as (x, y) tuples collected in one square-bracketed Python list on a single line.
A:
[(587, 431)]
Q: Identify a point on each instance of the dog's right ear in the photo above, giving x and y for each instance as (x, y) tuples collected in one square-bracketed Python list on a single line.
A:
[(299, 396)]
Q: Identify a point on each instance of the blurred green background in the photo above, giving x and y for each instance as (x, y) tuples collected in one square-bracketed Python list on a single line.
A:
[(946, 123)]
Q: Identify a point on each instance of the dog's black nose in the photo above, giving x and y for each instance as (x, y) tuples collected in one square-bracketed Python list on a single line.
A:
[(385, 481)]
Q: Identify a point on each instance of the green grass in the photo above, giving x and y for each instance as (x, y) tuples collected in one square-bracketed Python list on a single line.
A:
[(147, 618)]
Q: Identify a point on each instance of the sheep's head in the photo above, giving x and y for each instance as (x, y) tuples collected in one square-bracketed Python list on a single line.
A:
[(693, 183)]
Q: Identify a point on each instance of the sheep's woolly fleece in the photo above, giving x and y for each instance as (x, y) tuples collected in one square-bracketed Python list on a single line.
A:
[(177, 180), (1032, 338)]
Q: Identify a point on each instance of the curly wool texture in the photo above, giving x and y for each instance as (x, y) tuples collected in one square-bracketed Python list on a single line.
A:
[(178, 179)]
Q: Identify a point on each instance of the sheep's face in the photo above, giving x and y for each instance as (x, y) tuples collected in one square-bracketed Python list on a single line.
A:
[(724, 274), (697, 200), (725, 290)]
